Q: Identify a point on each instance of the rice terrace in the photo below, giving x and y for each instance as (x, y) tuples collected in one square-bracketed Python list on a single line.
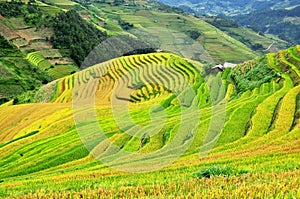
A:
[(132, 99)]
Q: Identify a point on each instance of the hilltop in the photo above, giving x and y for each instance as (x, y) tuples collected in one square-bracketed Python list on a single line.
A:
[(240, 125)]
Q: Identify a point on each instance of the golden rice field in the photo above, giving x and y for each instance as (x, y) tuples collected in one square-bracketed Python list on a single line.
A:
[(225, 135)]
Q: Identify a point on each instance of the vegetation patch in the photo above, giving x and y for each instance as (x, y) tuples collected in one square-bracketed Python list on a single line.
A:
[(214, 170), (80, 39), (252, 74)]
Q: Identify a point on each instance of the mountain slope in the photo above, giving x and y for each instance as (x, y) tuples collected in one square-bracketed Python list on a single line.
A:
[(256, 40), (54, 40), (231, 7), (42, 154), (284, 23)]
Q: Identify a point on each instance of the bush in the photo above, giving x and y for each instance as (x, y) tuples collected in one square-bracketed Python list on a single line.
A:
[(220, 23), (194, 34), (257, 47), (12, 9), (125, 25), (3, 100), (217, 171)]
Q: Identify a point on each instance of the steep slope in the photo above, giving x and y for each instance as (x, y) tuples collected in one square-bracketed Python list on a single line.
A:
[(43, 153)]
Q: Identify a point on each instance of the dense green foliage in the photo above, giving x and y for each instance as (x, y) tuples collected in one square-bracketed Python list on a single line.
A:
[(125, 25), (217, 171), (12, 9), (221, 22), (252, 74), (81, 37), (194, 34), (31, 13), (36, 17), (6, 48), (72, 32)]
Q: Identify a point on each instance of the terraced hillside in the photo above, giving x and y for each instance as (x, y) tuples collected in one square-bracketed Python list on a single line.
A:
[(236, 132), (146, 16), (34, 43), (42, 33), (17, 75), (135, 72)]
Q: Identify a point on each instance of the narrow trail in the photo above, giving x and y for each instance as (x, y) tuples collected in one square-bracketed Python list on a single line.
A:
[(270, 46)]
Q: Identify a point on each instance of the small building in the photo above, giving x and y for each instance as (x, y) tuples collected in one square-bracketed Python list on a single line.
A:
[(229, 65), (219, 66)]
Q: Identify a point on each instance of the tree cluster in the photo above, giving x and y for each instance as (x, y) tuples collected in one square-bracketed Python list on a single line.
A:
[(31, 13), (74, 33), (221, 23), (125, 25), (194, 34), (12, 9)]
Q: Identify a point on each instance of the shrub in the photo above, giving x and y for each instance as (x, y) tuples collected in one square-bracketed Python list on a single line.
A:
[(217, 171)]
